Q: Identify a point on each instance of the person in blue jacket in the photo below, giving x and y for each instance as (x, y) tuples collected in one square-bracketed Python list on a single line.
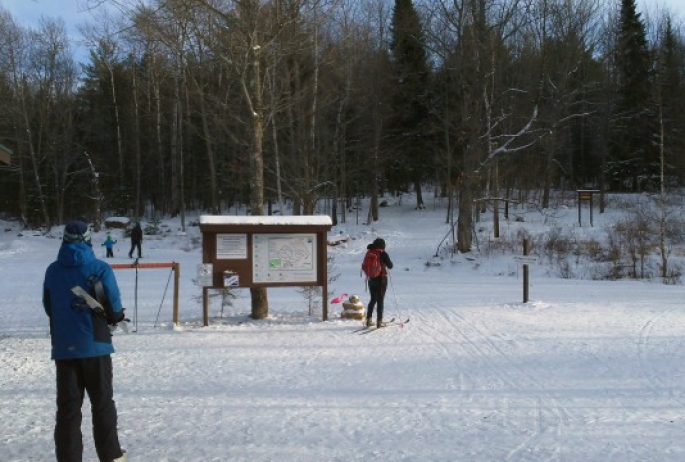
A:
[(82, 345), (109, 245)]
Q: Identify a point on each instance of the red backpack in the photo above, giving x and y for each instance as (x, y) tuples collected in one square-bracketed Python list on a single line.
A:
[(371, 266)]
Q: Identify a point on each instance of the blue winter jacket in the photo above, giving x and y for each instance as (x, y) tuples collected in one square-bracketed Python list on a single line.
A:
[(76, 330)]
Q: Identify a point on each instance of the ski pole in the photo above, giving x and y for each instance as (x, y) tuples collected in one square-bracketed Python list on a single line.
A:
[(397, 305), (135, 306), (164, 296)]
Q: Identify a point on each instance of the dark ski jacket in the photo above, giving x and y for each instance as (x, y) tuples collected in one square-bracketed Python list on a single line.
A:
[(136, 234), (76, 331), (385, 263)]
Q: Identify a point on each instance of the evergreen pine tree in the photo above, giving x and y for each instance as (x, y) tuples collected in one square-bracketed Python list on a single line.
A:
[(634, 157), (409, 122)]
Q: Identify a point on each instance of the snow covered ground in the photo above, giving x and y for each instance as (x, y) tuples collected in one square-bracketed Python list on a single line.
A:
[(586, 371)]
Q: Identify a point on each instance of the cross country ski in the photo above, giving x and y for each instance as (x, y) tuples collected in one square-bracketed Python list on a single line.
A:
[(391, 323), (367, 328)]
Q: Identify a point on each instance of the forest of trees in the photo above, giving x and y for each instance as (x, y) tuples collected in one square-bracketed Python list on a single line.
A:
[(208, 104)]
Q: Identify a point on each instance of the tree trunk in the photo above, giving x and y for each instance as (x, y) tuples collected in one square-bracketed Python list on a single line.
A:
[(33, 158), (419, 194), (161, 167), (19, 156), (136, 136), (97, 194), (495, 207), (120, 149), (173, 151), (465, 220), (662, 196), (253, 94), (277, 157), (209, 149), (310, 197)]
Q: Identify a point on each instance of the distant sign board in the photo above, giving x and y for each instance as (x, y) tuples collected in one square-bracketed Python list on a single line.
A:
[(526, 259), (583, 196)]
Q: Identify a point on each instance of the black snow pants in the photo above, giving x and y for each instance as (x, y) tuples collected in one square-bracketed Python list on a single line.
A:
[(377, 288), (135, 245), (92, 375)]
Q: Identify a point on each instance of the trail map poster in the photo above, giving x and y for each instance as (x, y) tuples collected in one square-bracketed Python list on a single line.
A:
[(284, 258)]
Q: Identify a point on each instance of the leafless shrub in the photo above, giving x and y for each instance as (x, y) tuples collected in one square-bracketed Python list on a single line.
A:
[(503, 245), (522, 234), (673, 275), (592, 249), (565, 270), (639, 235), (556, 245)]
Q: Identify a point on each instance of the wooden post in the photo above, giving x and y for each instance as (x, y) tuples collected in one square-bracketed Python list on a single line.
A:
[(495, 216), (177, 277), (323, 261), (205, 305), (525, 272)]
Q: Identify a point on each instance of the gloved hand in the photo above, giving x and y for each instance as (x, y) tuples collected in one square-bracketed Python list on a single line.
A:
[(115, 318)]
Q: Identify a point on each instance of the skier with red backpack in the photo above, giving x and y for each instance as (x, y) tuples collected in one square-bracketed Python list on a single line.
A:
[(375, 265)]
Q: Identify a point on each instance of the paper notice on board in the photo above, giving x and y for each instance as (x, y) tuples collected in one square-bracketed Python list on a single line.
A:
[(231, 246), (231, 279), (204, 274)]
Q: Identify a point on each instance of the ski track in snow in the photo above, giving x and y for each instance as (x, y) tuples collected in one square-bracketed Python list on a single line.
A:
[(460, 339), (648, 346)]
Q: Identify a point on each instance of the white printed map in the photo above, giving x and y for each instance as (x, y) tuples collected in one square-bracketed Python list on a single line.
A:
[(284, 258)]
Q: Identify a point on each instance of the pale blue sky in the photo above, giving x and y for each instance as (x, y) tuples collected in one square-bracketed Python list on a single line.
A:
[(72, 11), (28, 13)]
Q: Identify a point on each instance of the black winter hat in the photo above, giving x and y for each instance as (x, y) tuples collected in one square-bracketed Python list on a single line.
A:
[(76, 231), (379, 243)]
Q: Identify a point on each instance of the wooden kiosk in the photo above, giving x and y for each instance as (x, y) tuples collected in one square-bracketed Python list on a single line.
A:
[(263, 251)]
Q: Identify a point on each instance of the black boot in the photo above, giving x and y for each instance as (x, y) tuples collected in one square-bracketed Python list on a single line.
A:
[(369, 322)]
